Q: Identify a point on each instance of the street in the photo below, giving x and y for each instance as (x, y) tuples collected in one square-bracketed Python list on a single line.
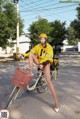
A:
[(32, 105)]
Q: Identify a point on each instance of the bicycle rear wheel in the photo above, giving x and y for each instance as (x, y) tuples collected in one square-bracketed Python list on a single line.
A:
[(13, 96), (42, 85)]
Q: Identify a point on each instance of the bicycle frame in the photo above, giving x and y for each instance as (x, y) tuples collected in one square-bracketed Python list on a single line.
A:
[(36, 82), (34, 86)]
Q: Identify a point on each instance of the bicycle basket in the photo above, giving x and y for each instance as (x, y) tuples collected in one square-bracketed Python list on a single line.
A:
[(21, 78)]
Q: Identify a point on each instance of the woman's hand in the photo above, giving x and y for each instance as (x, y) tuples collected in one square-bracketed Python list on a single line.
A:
[(21, 57), (40, 66)]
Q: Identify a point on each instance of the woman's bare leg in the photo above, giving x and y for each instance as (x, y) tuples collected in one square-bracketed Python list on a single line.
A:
[(32, 59), (51, 86)]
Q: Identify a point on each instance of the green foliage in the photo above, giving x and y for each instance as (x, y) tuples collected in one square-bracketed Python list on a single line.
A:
[(76, 26), (78, 12), (8, 22), (38, 27), (71, 36), (56, 31), (10, 44), (3, 39)]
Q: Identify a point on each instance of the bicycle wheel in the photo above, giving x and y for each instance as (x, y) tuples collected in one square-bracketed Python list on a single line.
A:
[(42, 85), (13, 96), (31, 87)]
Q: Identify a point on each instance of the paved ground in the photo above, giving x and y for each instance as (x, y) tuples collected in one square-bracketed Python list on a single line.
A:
[(31, 105)]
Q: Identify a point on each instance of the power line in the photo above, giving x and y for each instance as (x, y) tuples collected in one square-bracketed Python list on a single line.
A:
[(43, 12), (30, 5), (39, 6), (36, 2), (22, 1), (53, 14), (48, 8)]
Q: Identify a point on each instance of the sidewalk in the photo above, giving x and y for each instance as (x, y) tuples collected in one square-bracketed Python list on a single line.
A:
[(6, 57), (66, 55)]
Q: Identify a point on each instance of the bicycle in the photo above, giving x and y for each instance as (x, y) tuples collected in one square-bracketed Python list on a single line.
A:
[(21, 80)]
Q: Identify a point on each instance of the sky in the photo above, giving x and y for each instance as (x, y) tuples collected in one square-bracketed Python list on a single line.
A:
[(31, 10)]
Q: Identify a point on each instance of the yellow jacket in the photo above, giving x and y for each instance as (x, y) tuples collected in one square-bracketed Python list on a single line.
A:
[(43, 54), (26, 54)]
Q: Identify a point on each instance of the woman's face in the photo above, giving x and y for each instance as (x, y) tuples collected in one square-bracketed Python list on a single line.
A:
[(42, 40)]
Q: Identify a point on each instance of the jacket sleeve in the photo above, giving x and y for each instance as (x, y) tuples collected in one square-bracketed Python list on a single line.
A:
[(26, 54), (34, 50)]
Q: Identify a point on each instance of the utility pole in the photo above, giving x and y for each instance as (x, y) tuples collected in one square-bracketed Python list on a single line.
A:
[(17, 30), (17, 38)]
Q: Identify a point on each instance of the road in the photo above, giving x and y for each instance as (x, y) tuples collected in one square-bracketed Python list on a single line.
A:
[(32, 105)]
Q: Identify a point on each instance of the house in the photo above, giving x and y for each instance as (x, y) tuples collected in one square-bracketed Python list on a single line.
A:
[(24, 45), (69, 48)]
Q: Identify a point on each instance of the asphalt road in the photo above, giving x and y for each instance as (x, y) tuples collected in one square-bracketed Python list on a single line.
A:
[(32, 105)]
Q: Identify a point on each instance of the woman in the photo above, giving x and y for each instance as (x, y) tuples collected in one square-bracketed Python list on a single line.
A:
[(42, 55)]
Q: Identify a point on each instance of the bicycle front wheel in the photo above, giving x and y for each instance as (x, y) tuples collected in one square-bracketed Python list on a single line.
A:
[(13, 96), (42, 85)]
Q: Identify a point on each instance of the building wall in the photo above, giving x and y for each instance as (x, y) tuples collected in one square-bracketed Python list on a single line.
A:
[(2, 51), (69, 48), (24, 45)]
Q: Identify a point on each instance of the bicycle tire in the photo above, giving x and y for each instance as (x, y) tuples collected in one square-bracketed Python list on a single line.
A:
[(31, 86), (41, 86), (12, 97)]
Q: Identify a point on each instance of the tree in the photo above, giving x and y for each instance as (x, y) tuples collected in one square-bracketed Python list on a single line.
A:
[(38, 27), (71, 36), (78, 12), (58, 33), (8, 22), (76, 26)]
